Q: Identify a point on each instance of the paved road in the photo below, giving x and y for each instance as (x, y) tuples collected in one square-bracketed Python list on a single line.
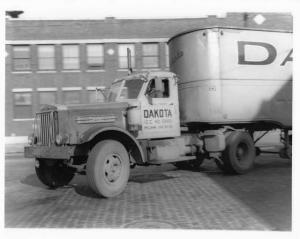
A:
[(156, 197)]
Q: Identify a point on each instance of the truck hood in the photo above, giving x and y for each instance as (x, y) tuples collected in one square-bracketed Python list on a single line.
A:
[(75, 120), (95, 106)]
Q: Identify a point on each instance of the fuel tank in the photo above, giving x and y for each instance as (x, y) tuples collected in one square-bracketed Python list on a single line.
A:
[(231, 75)]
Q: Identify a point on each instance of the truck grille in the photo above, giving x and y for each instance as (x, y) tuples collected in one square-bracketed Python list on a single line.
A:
[(46, 127)]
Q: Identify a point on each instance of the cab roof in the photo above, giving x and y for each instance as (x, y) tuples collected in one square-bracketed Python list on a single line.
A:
[(146, 75)]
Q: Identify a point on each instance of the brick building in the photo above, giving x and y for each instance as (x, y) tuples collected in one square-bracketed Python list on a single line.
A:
[(62, 61)]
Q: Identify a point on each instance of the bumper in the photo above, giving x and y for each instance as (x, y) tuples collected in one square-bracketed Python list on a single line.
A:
[(54, 152)]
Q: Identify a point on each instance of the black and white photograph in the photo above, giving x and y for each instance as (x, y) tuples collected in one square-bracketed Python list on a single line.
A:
[(148, 115)]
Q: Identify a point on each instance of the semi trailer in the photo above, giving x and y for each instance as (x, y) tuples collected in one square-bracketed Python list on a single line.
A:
[(224, 85)]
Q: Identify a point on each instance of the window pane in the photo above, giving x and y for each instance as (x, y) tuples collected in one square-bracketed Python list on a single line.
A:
[(150, 55), (71, 63), (21, 64), (22, 98), (150, 61), (21, 52), (46, 64), (95, 50), (71, 97), (95, 61), (123, 49), (70, 51), (46, 51), (23, 106), (123, 62), (123, 55), (47, 98), (21, 58), (23, 112), (150, 49)]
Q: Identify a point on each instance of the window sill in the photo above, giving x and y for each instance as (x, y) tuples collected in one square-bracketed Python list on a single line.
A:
[(66, 71), (26, 119), (95, 70), (126, 70), (150, 69), (21, 72), (43, 72), (71, 88)]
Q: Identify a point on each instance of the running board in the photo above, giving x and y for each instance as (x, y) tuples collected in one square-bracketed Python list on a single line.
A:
[(183, 158)]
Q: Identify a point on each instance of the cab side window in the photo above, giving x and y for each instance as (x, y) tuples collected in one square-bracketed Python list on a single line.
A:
[(159, 88)]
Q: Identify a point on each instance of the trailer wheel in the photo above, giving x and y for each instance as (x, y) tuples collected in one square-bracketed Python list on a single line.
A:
[(239, 154), (53, 173), (108, 168)]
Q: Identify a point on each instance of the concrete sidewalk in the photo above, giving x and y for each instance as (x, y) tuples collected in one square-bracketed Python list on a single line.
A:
[(15, 144)]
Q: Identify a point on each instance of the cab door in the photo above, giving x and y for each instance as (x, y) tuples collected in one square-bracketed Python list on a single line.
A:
[(160, 110)]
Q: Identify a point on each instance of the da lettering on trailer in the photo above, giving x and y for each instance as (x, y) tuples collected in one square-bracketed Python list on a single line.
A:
[(269, 48)]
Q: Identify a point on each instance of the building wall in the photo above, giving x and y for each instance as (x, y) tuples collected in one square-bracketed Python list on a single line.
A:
[(109, 32)]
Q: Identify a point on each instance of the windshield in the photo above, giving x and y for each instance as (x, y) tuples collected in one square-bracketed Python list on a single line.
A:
[(126, 89)]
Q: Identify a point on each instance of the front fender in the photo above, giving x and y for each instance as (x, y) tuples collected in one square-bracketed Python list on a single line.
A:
[(114, 133)]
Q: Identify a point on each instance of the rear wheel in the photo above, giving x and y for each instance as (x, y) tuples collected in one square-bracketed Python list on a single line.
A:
[(53, 173), (239, 155), (108, 168)]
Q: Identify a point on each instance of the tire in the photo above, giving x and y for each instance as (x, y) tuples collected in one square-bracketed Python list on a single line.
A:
[(239, 154), (108, 168), (53, 173)]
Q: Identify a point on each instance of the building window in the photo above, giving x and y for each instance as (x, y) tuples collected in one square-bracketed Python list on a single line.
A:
[(72, 97), (23, 105), (167, 56), (46, 57), (150, 55), (70, 57), (95, 56), (47, 98), (21, 58), (123, 63)]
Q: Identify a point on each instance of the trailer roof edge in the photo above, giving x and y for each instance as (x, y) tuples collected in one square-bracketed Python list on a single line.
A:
[(228, 27)]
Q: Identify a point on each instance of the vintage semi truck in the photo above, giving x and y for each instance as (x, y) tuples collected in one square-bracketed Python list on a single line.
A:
[(224, 85)]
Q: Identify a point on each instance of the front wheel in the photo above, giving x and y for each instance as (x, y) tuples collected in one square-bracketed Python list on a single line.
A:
[(108, 168), (239, 155), (53, 173)]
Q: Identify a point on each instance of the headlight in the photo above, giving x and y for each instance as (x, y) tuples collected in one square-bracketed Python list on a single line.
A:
[(32, 139), (59, 139)]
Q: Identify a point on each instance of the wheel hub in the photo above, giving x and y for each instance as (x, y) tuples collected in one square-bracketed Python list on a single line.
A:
[(112, 168), (241, 151)]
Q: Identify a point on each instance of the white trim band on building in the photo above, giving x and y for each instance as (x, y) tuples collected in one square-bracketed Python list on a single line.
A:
[(22, 90), (71, 88), (94, 87), (47, 89), (85, 41), (25, 119)]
